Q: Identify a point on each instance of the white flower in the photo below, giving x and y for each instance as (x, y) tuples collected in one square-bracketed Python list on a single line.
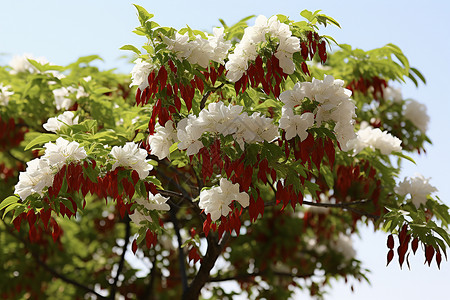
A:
[(246, 49), (417, 113), (4, 94), (20, 63), (392, 94), (344, 245), (154, 202), (219, 45), (61, 98), (163, 138), (37, 176), (219, 118), (418, 187), (63, 152), (201, 52), (137, 217), (295, 124), (80, 92), (131, 156), (55, 124), (374, 138), (216, 201), (189, 133), (140, 72), (180, 45)]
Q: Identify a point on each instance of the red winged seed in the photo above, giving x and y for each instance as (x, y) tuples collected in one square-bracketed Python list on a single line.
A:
[(148, 238), (162, 77), (199, 83), (429, 253), (390, 256), (134, 246), (330, 151), (438, 259), (31, 218), (237, 86), (138, 96), (390, 242), (45, 216), (207, 225), (18, 220), (304, 50), (220, 70), (415, 244), (135, 176), (172, 66), (212, 75), (305, 69)]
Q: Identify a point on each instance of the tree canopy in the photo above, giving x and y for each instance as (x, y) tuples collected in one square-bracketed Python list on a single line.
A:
[(251, 154)]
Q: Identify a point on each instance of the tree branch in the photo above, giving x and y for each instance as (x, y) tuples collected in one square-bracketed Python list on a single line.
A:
[(181, 258), (122, 257), (249, 275), (209, 260), (50, 269), (205, 96)]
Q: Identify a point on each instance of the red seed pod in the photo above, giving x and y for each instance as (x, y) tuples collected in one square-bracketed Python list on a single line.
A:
[(304, 50), (390, 242), (213, 75), (172, 66), (429, 253), (305, 68), (390, 256), (415, 244), (438, 259), (134, 246), (193, 232), (310, 36)]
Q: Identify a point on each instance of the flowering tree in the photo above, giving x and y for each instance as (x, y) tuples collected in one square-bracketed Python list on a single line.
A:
[(251, 154)]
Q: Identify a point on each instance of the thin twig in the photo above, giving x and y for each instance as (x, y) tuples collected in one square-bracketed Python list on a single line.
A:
[(122, 257), (50, 269), (181, 258)]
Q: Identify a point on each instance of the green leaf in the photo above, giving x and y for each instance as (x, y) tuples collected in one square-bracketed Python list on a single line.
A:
[(8, 201), (131, 48), (102, 90), (9, 208), (143, 14), (42, 139), (399, 154), (417, 72), (307, 15)]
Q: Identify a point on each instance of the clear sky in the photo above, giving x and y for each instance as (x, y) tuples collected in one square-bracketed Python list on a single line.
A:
[(62, 31)]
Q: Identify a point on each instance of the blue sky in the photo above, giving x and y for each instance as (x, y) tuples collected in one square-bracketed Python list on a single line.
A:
[(62, 31)]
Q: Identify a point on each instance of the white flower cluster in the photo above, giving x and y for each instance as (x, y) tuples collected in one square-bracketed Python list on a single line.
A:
[(247, 49), (200, 51), (140, 72), (55, 124), (61, 95), (41, 171), (154, 202), (418, 187), (392, 94), (4, 94), (344, 245), (334, 104), (216, 201), (163, 138), (416, 112), (225, 120), (130, 155), (374, 138), (20, 63)]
